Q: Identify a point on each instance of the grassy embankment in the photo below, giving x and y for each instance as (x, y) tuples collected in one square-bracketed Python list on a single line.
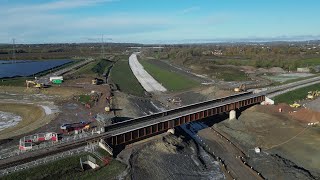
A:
[(94, 68), (296, 95), (170, 80), (69, 168), (122, 75)]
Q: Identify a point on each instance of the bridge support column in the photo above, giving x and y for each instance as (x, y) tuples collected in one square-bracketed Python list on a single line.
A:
[(232, 115), (171, 131)]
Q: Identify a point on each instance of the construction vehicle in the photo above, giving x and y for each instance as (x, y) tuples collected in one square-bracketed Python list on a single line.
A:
[(295, 105), (97, 81), (67, 128), (313, 94), (35, 84), (241, 88), (107, 109)]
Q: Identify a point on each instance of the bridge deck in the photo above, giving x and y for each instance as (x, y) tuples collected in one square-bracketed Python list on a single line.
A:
[(134, 124)]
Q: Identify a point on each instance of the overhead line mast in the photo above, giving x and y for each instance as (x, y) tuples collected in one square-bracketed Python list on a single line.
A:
[(13, 50)]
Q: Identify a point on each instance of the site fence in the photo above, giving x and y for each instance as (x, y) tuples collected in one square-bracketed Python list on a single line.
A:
[(46, 160)]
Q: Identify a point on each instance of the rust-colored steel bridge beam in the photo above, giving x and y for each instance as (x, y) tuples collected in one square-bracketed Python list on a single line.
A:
[(147, 126)]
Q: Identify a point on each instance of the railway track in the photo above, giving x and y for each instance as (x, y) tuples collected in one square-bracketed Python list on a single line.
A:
[(277, 90), (118, 128), (34, 155)]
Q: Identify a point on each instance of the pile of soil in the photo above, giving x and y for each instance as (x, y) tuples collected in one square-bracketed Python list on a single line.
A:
[(276, 70), (171, 157), (248, 69), (262, 70), (306, 115)]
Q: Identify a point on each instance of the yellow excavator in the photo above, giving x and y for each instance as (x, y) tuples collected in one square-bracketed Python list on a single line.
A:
[(97, 81), (295, 105), (313, 94), (241, 88), (35, 84)]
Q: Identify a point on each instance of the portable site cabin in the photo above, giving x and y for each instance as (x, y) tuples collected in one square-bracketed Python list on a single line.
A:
[(56, 79)]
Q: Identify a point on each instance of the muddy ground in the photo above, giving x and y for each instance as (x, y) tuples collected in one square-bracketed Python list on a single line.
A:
[(169, 156), (58, 105), (290, 150)]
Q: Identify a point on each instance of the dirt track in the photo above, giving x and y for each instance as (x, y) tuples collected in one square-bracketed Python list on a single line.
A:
[(32, 118)]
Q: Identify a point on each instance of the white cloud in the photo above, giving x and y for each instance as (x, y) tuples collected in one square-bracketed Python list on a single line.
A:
[(57, 5), (44, 23), (191, 9)]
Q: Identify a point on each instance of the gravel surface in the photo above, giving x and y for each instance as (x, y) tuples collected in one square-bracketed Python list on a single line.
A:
[(175, 158), (145, 79)]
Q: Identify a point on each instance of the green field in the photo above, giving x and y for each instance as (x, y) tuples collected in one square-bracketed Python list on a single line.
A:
[(287, 64), (68, 168), (19, 81), (122, 75), (170, 80), (309, 62), (228, 73), (296, 95)]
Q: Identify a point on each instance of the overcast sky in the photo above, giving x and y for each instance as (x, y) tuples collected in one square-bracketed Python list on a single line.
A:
[(153, 21)]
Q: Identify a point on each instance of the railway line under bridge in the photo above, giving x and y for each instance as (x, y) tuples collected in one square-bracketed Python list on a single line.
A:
[(116, 136), (133, 130)]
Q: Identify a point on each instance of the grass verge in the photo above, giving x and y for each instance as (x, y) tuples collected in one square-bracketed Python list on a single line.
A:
[(296, 95), (69, 168), (84, 99), (122, 75), (171, 80)]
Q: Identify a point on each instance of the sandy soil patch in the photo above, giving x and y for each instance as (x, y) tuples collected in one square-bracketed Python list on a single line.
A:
[(8, 119)]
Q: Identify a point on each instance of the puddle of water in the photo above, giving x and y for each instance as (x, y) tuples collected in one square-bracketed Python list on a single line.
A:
[(71, 106), (8, 119)]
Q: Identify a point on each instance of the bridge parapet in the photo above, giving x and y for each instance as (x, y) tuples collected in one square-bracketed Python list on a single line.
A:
[(140, 128)]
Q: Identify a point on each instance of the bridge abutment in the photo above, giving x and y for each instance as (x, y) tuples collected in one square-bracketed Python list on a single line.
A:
[(171, 131)]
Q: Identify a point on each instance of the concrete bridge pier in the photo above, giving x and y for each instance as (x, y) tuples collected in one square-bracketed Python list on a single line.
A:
[(232, 115), (171, 131)]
